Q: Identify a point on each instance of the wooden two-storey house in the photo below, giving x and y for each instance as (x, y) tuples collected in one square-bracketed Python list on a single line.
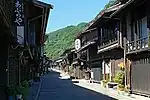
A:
[(23, 26), (28, 23), (136, 18), (30, 20), (103, 45), (87, 53), (110, 42)]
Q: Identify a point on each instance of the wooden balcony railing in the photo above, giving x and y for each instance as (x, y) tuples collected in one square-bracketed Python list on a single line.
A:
[(88, 41), (6, 7), (138, 45), (110, 41)]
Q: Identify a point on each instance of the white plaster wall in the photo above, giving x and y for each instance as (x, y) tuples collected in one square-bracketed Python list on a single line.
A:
[(107, 67)]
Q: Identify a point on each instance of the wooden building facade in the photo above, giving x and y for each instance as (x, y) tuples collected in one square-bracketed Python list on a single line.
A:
[(7, 38), (121, 38), (22, 33), (87, 53), (135, 16), (102, 45)]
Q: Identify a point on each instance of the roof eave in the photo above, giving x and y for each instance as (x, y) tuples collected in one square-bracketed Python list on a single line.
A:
[(102, 14), (123, 7), (42, 4)]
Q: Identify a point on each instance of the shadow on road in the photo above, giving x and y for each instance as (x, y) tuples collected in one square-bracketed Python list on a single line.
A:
[(54, 88)]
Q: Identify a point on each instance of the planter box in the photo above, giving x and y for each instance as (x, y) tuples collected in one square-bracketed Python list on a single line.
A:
[(11, 98), (19, 97)]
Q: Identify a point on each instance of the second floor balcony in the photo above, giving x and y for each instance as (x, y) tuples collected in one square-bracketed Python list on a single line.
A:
[(138, 45), (88, 38), (109, 40)]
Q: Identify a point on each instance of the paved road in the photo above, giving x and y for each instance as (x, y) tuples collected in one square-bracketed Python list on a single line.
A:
[(54, 88)]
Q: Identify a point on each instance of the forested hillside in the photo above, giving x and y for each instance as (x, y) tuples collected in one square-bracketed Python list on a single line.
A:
[(62, 39)]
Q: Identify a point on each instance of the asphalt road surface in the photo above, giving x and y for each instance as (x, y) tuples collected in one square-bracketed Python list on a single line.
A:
[(54, 88)]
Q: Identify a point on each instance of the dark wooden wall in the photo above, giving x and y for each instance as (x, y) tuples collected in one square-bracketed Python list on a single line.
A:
[(93, 52), (148, 13), (3, 62)]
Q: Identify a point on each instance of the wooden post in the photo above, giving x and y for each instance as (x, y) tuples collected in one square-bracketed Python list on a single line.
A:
[(148, 20), (110, 75), (124, 42), (7, 70), (104, 70), (120, 34), (129, 72)]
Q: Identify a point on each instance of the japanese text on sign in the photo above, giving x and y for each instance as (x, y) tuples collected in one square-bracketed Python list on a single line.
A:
[(19, 17)]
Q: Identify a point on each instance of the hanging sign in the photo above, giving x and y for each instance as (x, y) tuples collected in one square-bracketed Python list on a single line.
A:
[(19, 13), (19, 20), (77, 44)]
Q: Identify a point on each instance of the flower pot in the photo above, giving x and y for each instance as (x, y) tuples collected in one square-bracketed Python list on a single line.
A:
[(19, 97), (10, 98)]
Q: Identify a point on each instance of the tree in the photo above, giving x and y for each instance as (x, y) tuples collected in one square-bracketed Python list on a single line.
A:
[(110, 3)]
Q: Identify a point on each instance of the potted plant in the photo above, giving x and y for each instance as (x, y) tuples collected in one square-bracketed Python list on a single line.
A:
[(121, 89), (25, 89), (127, 90), (119, 78), (11, 93), (103, 83), (19, 92)]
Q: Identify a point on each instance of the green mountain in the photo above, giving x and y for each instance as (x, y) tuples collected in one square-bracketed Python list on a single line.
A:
[(62, 39)]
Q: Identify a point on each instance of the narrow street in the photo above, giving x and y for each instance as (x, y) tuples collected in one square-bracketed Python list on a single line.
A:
[(54, 88)]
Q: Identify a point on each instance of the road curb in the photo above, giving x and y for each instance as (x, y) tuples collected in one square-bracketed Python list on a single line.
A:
[(37, 95), (104, 92)]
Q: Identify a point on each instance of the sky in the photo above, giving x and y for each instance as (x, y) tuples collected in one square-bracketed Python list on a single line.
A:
[(72, 12)]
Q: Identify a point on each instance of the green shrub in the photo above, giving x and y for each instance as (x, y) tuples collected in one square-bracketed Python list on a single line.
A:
[(104, 82), (25, 84), (19, 90), (127, 88), (23, 89), (120, 77), (121, 87)]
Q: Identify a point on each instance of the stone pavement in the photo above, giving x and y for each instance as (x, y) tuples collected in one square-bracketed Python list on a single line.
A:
[(55, 88)]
